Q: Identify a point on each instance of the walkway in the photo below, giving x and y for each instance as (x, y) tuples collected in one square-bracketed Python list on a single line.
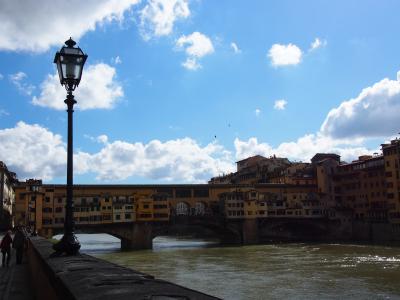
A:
[(14, 281)]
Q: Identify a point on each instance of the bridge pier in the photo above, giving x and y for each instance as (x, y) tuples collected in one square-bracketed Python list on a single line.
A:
[(139, 237), (250, 232)]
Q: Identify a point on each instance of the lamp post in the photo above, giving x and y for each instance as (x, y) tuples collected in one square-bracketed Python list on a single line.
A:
[(70, 61)]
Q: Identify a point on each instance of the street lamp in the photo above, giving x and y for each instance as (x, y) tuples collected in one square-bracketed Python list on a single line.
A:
[(70, 61)]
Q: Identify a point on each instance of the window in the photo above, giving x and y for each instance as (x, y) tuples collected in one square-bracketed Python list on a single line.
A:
[(47, 221), (128, 216), (47, 199), (58, 209), (117, 217), (167, 191), (182, 209), (106, 217), (203, 193), (160, 206), (145, 215), (200, 209), (160, 215), (183, 193)]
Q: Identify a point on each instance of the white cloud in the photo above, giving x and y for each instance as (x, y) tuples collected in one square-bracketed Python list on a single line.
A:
[(116, 60), (33, 151), (317, 43), (373, 113), (3, 112), (303, 149), (175, 160), (38, 25), (157, 18), (98, 89), (280, 104), (19, 80), (1, 76), (196, 46), (102, 139), (191, 64), (284, 55), (257, 112), (235, 48)]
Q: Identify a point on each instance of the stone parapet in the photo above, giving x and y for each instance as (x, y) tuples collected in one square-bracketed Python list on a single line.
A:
[(86, 277)]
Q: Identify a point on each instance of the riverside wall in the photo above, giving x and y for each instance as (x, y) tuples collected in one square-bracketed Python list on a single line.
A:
[(83, 277)]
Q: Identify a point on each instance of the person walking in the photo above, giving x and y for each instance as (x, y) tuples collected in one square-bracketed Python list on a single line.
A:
[(19, 244), (5, 246)]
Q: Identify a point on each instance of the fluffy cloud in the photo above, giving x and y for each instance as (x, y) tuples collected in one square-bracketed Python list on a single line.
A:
[(280, 104), (19, 80), (191, 64), (33, 151), (38, 25), (373, 113), (235, 48), (303, 149), (196, 46), (284, 55), (98, 89), (157, 18), (175, 160), (257, 112), (318, 43), (1, 76)]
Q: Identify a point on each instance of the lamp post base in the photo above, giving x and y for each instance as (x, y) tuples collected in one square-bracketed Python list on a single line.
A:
[(68, 244)]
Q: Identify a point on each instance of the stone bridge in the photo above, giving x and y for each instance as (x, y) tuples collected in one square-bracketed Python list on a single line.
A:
[(140, 235)]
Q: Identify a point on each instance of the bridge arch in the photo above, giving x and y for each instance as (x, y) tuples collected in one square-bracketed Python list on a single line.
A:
[(182, 208), (200, 208)]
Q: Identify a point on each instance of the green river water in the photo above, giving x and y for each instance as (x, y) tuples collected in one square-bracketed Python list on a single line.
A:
[(279, 271)]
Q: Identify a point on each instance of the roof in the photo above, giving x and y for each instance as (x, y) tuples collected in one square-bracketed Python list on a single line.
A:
[(252, 158)]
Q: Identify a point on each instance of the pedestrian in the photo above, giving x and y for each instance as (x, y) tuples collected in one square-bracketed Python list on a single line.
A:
[(5, 246), (19, 244)]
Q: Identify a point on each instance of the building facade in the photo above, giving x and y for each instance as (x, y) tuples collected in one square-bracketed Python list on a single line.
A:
[(7, 196)]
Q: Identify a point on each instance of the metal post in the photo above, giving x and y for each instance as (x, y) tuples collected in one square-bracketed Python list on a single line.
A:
[(69, 244)]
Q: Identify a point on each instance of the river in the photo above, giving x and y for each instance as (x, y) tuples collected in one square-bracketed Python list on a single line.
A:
[(278, 271)]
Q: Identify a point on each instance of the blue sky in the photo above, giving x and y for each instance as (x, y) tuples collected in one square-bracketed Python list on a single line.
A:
[(176, 91)]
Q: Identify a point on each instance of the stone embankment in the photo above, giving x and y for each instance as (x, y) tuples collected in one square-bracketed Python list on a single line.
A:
[(86, 277)]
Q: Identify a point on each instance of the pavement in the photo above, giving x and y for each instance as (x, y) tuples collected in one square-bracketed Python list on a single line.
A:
[(14, 280)]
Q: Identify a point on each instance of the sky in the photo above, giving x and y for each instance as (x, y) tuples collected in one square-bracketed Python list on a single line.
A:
[(177, 91)]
